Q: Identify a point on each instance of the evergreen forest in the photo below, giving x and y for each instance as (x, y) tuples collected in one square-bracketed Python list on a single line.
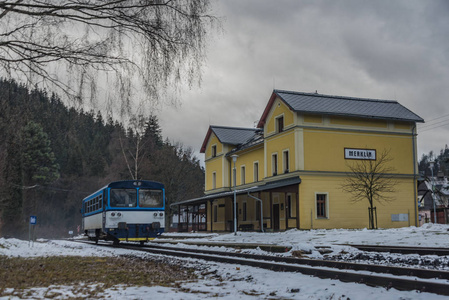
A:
[(52, 156), (441, 163)]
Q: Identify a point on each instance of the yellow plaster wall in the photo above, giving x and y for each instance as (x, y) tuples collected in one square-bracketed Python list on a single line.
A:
[(313, 119), (403, 125), (247, 158), (358, 122), (220, 225), (324, 149), (213, 140), (214, 165), (344, 213), (277, 144), (277, 110)]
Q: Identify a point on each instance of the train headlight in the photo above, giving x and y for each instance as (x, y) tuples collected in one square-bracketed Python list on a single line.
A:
[(112, 214), (161, 214), (119, 214), (155, 214)]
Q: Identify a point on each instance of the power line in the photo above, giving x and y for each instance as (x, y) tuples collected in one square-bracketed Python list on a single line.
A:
[(437, 118), (432, 125), (430, 128)]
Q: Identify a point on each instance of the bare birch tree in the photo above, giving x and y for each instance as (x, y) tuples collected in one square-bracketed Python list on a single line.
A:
[(371, 180), (131, 45)]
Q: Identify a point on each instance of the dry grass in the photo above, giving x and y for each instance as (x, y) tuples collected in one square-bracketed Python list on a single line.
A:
[(21, 274)]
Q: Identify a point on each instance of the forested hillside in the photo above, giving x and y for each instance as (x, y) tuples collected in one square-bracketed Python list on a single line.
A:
[(52, 156), (441, 165)]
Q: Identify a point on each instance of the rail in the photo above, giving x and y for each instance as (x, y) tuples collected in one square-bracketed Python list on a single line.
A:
[(345, 272)]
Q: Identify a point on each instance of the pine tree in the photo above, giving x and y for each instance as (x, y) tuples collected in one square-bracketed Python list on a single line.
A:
[(39, 162)]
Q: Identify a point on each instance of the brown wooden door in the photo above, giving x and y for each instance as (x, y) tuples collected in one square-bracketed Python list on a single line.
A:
[(276, 217)]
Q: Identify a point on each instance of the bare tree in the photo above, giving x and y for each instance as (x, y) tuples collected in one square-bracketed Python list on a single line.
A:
[(135, 151), (371, 180), (131, 45)]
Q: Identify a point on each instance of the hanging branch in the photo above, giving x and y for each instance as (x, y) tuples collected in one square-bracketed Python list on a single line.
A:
[(158, 43)]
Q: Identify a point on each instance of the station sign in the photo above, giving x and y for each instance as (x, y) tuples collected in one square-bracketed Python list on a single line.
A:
[(33, 220), (364, 154)]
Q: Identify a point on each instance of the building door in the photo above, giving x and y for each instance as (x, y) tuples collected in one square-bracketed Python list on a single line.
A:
[(276, 217)]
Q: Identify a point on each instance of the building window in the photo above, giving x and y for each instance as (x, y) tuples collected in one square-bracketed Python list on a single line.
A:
[(274, 164), (214, 180), (242, 173), (244, 211), (256, 171), (215, 213), (280, 124), (214, 150), (286, 161), (321, 206), (289, 206)]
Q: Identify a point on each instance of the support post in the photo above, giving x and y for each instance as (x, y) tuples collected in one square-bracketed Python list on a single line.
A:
[(261, 210)]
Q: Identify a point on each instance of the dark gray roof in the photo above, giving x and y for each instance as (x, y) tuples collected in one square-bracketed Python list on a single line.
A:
[(256, 139), (233, 135), (264, 186), (347, 106)]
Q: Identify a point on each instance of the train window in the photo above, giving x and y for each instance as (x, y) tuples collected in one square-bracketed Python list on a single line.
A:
[(123, 198), (100, 201), (96, 203), (150, 198)]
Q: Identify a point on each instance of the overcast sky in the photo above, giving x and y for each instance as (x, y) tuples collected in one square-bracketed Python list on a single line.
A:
[(383, 49)]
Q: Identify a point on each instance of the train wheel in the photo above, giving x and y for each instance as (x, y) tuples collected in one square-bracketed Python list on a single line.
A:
[(116, 242), (142, 243)]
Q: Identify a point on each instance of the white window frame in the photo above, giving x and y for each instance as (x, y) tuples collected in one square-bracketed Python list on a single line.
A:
[(276, 119), (256, 172), (286, 167), (214, 180), (274, 164)]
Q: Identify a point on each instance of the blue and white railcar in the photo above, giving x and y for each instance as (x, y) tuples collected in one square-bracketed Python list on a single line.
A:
[(132, 210)]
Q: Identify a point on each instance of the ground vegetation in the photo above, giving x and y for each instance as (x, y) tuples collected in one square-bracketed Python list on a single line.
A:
[(52, 156)]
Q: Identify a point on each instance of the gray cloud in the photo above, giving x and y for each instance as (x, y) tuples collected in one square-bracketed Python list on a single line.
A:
[(377, 49)]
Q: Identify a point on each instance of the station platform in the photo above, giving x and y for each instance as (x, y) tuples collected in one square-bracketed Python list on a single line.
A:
[(190, 240)]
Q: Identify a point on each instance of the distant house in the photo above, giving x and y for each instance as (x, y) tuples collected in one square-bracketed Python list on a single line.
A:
[(288, 172), (426, 199)]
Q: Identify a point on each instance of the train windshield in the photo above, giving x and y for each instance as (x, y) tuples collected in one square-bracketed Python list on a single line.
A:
[(150, 198), (123, 198)]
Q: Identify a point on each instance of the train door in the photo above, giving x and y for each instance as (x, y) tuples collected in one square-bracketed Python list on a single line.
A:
[(105, 203)]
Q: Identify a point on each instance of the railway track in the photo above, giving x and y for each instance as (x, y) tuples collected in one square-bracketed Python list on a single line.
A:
[(385, 276), (402, 249)]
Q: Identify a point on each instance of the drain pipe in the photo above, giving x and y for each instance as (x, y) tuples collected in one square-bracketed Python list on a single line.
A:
[(261, 210), (414, 134)]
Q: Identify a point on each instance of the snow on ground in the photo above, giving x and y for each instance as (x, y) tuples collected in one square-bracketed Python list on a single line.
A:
[(429, 235), (224, 281)]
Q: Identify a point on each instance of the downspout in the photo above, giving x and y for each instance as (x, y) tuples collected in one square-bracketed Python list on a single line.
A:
[(261, 210), (211, 215), (414, 175)]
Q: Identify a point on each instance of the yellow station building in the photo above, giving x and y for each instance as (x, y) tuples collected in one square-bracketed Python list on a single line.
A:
[(289, 171)]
